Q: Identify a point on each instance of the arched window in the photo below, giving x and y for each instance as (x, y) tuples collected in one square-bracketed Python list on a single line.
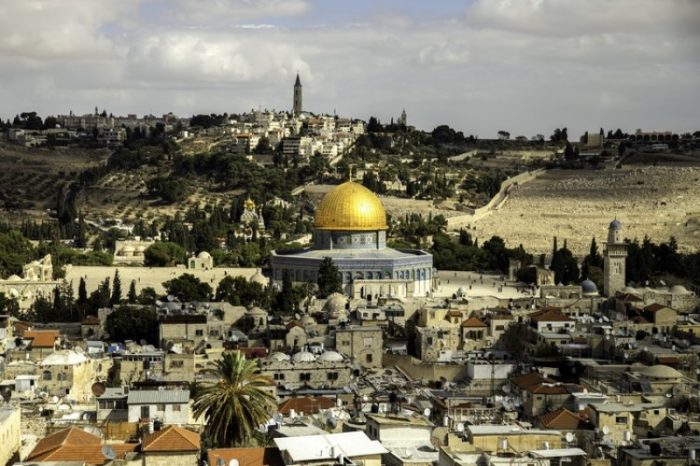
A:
[(46, 375)]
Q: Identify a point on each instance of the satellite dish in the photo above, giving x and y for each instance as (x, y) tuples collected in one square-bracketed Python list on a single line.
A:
[(460, 427), (109, 452), (98, 388), (506, 388), (233, 462), (606, 430), (426, 412), (569, 437), (54, 399)]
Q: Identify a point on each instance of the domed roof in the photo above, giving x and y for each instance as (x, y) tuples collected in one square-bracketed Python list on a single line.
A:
[(335, 302), (678, 289), (308, 320), (14, 278), (255, 310), (660, 371), (350, 206), (203, 255), (589, 287), (258, 277), (331, 356), (615, 225), (277, 356), (303, 356)]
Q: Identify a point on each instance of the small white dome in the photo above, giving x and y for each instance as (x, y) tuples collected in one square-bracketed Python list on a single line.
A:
[(303, 356), (277, 356), (331, 356), (678, 289), (335, 302), (203, 255), (255, 310), (258, 277), (14, 278)]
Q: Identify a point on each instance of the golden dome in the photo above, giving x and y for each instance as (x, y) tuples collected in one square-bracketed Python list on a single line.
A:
[(249, 204), (350, 206)]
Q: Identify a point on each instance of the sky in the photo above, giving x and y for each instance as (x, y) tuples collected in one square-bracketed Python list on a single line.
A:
[(480, 66)]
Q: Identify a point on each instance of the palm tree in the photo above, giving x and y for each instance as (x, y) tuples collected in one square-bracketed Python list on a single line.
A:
[(236, 403)]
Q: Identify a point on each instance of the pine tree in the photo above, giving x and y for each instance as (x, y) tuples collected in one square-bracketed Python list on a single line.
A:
[(82, 292), (328, 278), (132, 296), (116, 289)]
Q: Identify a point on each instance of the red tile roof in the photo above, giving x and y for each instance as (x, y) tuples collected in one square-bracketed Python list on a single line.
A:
[(473, 322), (246, 456), (91, 320), (563, 419), (42, 338), (549, 315), (529, 380), (171, 439), (305, 404), (75, 444), (655, 307)]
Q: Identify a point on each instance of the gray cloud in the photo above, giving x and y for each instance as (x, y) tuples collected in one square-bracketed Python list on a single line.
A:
[(524, 66)]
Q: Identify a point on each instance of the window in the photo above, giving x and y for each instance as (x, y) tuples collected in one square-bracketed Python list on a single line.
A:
[(430, 340), (368, 358), (46, 375), (656, 411), (199, 333), (177, 408), (620, 420), (332, 376), (278, 376), (304, 376), (177, 363), (160, 407), (367, 341)]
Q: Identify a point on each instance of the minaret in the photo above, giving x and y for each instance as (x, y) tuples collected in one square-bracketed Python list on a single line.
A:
[(614, 260), (296, 109)]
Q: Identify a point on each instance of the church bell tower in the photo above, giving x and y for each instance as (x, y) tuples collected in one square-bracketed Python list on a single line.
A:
[(614, 260), (296, 109)]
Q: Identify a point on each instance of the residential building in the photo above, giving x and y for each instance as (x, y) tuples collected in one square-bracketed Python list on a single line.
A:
[(362, 344), (10, 433), (168, 406)]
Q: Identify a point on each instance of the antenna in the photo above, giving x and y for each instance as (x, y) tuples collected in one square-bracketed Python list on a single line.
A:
[(460, 427), (569, 437)]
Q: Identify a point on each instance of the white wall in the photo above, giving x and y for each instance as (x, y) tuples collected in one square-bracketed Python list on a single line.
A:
[(168, 416)]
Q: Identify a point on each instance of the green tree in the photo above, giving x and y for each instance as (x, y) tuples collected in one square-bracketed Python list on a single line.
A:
[(240, 292), (284, 301), (565, 267), (133, 323), (9, 306), (116, 297), (164, 254), (148, 296), (101, 296), (82, 292), (132, 297), (328, 278), (235, 402), (188, 288)]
